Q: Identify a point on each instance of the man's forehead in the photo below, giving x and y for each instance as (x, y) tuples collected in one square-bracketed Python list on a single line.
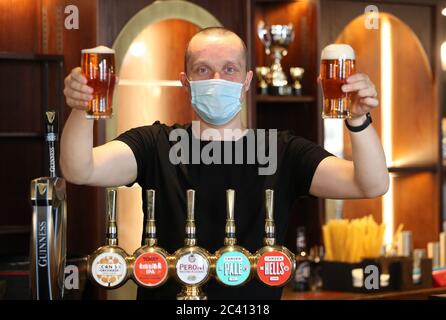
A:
[(216, 39), (226, 46)]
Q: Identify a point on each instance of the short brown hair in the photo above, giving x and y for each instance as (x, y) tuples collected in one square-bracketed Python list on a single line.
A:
[(219, 31)]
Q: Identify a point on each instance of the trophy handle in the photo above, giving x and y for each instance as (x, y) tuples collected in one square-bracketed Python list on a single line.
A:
[(264, 35)]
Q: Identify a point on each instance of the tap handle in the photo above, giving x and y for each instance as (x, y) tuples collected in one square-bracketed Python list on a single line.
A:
[(270, 229), (269, 202), (111, 205), (150, 197), (190, 204), (150, 228), (112, 229), (51, 125), (51, 138), (230, 198), (190, 222)]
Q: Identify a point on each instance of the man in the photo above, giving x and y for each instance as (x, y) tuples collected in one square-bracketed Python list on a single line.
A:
[(215, 62)]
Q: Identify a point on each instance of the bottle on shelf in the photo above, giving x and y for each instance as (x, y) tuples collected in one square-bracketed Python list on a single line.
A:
[(192, 263), (316, 257), (232, 262), (303, 271), (151, 263), (109, 265), (274, 264)]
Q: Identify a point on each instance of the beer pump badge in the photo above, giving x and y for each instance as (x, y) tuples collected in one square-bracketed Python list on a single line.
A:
[(109, 269), (274, 268), (233, 268), (192, 268), (150, 269)]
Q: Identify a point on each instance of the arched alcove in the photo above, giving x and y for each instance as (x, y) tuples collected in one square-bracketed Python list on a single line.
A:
[(149, 57), (406, 121)]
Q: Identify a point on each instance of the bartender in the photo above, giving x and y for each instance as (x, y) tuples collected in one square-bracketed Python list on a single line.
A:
[(216, 79)]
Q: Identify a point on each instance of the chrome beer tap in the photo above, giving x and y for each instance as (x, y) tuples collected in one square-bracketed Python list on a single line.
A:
[(192, 263), (232, 263), (48, 234), (275, 265), (109, 265), (151, 263)]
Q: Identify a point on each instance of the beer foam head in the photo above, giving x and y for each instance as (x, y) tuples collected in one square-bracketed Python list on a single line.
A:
[(337, 51), (100, 49)]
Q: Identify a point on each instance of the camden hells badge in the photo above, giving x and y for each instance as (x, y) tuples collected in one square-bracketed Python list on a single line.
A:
[(274, 268)]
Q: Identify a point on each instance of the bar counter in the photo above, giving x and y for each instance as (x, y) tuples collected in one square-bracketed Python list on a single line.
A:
[(419, 294)]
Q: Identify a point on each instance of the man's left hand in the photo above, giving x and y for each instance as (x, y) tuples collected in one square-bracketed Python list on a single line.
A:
[(364, 94)]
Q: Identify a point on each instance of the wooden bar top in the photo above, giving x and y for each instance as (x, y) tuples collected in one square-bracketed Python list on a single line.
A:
[(419, 294)]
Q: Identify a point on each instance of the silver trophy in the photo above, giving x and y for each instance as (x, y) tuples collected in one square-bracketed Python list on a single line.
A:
[(276, 39), (297, 75)]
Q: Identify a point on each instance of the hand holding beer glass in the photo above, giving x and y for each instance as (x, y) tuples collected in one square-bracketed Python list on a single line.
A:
[(337, 64), (98, 67)]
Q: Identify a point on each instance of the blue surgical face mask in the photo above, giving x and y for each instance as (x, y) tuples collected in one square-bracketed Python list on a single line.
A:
[(216, 101)]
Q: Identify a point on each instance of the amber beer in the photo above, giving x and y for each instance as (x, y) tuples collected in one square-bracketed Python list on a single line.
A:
[(98, 66), (337, 64)]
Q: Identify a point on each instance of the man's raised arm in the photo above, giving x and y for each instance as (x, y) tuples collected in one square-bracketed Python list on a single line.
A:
[(367, 175), (112, 164)]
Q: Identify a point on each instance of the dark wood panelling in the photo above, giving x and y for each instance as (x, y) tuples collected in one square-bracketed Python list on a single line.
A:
[(16, 172), (232, 14), (418, 213), (19, 25), (114, 14), (20, 84), (22, 23)]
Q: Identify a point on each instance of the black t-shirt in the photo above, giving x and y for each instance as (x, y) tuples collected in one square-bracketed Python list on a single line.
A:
[(297, 160)]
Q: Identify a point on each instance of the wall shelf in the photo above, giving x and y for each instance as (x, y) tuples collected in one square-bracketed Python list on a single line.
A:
[(284, 99), (414, 169)]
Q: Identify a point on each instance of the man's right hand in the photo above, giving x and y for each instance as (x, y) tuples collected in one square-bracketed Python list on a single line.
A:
[(81, 163), (76, 91)]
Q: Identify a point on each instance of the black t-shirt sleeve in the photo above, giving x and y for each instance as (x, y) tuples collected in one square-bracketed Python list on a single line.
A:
[(304, 157), (142, 141)]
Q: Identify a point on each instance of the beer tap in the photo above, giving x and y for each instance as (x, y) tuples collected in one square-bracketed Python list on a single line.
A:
[(274, 264), (48, 234), (192, 263), (232, 266), (109, 266), (151, 266)]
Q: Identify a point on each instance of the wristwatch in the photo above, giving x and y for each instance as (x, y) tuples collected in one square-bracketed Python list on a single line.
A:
[(361, 127)]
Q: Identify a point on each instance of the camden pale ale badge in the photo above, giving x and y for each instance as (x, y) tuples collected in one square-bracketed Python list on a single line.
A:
[(150, 269), (233, 268), (274, 268), (109, 269), (192, 268)]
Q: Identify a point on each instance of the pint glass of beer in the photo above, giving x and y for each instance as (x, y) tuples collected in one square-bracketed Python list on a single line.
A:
[(337, 64), (98, 66)]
